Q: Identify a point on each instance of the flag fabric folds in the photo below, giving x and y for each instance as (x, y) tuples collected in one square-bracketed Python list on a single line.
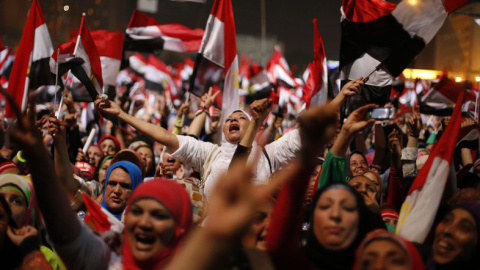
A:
[(278, 70), (378, 34), (219, 46), (423, 199), (30, 68), (315, 88), (145, 34)]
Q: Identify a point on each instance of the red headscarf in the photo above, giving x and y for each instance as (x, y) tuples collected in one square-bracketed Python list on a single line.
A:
[(177, 200), (115, 141), (415, 258)]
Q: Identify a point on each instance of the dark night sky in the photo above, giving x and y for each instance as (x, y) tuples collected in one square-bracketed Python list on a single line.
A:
[(289, 21)]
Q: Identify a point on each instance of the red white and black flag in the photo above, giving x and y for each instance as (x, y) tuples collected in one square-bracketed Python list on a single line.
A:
[(315, 88), (90, 72), (379, 34), (146, 34), (218, 50), (30, 68), (279, 72)]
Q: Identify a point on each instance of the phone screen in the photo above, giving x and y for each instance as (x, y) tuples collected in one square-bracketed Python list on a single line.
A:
[(382, 113)]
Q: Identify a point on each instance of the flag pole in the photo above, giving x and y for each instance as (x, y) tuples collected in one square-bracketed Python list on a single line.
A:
[(56, 78), (187, 99), (368, 76)]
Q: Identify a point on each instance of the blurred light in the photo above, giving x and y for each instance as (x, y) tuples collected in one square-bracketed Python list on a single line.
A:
[(90, 11), (413, 2), (458, 79), (331, 64), (477, 79), (66, 8), (424, 74)]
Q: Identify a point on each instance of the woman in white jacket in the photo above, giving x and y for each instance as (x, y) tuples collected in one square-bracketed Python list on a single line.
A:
[(209, 159)]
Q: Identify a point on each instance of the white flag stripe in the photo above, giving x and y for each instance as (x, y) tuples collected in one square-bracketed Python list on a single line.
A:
[(213, 43), (361, 67), (417, 216), (230, 98), (42, 47), (110, 68), (422, 18)]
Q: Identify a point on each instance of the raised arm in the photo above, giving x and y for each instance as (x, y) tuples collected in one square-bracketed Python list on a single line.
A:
[(201, 116), (112, 111), (349, 89)]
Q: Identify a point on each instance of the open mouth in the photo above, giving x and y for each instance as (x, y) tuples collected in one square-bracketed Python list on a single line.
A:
[(171, 160), (144, 239), (234, 127), (444, 246)]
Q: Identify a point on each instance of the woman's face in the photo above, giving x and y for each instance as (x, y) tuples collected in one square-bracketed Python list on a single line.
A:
[(150, 227), (108, 147), (358, 165), (102, 172), (118, 190), (373, 177), (147, 156), (364, 186), (455, 238), (336, 219), (256, 236), (384, 254), (94, 155), (235, 127), (17, 203)]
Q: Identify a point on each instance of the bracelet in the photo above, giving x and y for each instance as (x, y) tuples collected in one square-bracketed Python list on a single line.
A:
[(200, 111), (20, 157)]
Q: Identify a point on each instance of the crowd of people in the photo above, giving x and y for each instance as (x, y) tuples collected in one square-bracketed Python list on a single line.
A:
[(254, 191)]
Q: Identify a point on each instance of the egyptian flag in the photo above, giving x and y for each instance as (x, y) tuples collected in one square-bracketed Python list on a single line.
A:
[(30, 68), (219, 48), (145, 34), (6, 62), (257, 83), (158, 76), (315, 88), (420, 207), (440, 100), (90, 72), (379, 34), (468, 137), (278, 70), (99, 219)]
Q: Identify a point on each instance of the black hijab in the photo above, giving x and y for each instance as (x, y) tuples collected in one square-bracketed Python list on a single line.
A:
[(324, 258)]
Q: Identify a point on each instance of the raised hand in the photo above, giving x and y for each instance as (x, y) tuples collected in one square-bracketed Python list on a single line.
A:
[(414, 124), (56, 127), (317, 126), (352, 87), (260, 109), (395, 142), (108, 109), (209, 97), (358, 120)]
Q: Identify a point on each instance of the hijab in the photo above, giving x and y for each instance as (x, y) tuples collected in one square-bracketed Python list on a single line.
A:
[(416, 261), (135, 176), (110, 137), (174, 197), (324, 258), (474, 263), (23, 185)]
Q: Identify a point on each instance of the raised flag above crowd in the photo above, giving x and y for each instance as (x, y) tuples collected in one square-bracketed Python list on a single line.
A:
[(31, 66)]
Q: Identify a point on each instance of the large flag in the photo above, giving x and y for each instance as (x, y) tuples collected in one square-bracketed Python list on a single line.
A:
[(30, 68), (315, 88), (158, 76), (379, 34), (219, 46), (110, 48), (421, 205), (145, 34)]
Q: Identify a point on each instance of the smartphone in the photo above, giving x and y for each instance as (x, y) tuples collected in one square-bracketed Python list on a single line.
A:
[(382, 113)]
